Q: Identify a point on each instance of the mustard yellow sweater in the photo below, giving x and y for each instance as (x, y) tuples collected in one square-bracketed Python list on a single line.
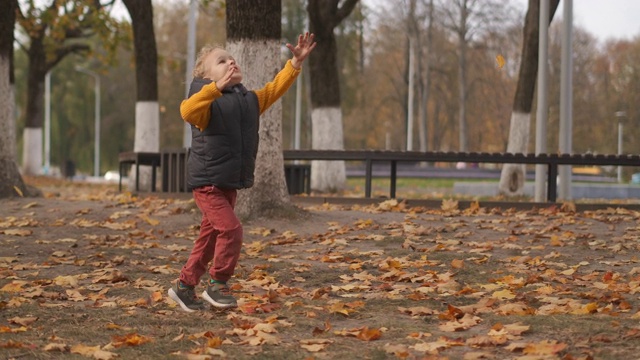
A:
[(196, 110)]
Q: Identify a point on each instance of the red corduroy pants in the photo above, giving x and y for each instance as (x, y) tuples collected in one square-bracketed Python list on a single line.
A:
[(220, 236)]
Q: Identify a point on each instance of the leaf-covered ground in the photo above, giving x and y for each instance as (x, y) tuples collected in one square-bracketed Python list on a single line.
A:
[(84, 273)]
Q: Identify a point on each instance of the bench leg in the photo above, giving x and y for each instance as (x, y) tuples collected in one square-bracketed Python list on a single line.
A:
[(367, 184), (153, 177), (552, 187), (392, 191)]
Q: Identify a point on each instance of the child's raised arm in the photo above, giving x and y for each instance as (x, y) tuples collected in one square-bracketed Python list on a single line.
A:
[(273, 90)]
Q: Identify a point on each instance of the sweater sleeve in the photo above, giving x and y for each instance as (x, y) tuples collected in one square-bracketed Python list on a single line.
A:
[(196, 110), (273, 90)]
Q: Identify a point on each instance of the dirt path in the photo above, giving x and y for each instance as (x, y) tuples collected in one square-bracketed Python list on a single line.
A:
[(84, 273)]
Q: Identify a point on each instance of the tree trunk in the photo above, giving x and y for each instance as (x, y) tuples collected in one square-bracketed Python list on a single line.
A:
[(32, 136), (11, 183), (147, 128), (326, 114), (254, 38), (512, 177)]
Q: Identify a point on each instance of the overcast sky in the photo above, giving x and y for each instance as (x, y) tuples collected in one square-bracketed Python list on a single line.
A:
[(603, 18)]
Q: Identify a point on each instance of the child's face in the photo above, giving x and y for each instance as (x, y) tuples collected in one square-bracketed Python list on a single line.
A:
[(218, 63)]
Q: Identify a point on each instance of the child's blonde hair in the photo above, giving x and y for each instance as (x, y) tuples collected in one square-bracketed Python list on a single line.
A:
[(199, 69)]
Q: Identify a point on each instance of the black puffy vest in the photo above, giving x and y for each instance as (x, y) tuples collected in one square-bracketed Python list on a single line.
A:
[(224, 154)]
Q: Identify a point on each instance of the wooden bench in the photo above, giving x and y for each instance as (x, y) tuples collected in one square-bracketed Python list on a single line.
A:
[(127, 159)]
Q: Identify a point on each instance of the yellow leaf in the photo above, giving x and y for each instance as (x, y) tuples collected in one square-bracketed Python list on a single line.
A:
[(500, 60), (449, 205), (314, 347), (504, 294), (555, 241), (24, 321), (14, 286), (17, 232), (56, 347), (17, 189), (84, 350), (149, 220), (544, 347)]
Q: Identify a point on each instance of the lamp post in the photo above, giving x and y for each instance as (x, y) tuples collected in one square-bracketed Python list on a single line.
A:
[(47, 123), (620, 115), (96, 153)]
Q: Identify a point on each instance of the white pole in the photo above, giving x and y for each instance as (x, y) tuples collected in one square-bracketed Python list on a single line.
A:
[(619, 116), (542, 110), (410, 97), (619, 150), (191, 56), (566, 104), (47, 123)]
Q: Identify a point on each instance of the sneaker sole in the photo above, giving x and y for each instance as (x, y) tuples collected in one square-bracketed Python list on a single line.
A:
[(206, 296), (174, 297)]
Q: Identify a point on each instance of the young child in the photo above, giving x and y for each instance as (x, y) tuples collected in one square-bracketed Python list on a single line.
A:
[(224, 119)]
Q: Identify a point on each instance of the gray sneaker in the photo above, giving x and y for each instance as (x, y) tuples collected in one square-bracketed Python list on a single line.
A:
[(219, 295), (186, 298)]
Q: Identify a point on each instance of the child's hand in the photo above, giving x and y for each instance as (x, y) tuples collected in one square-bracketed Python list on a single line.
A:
[(226, 80), (302, 49)]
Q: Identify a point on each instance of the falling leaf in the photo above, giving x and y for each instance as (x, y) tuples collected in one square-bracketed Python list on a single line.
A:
[(457, 264), (17, 189), (500, 60)]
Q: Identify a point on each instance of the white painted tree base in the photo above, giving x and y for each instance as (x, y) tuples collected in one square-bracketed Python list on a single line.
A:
[(147, 139), (32, 151), (513, 176), (327, 134)]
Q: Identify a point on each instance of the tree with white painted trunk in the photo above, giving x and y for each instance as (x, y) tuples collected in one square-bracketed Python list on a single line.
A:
[(254, 39), (147, 127), (512, 177), (326, 113), (52, 32), (11, 183)]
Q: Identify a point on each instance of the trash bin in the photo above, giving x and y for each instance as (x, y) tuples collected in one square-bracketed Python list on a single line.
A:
[(298, 177)]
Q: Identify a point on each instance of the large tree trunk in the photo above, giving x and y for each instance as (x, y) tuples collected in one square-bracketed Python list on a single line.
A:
[(326, 114), (512, 177), (11, 183), (254, 38), (147, 127)]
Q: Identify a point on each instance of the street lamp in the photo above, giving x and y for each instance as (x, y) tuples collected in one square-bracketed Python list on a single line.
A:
[(620, 115), (96, 153)]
